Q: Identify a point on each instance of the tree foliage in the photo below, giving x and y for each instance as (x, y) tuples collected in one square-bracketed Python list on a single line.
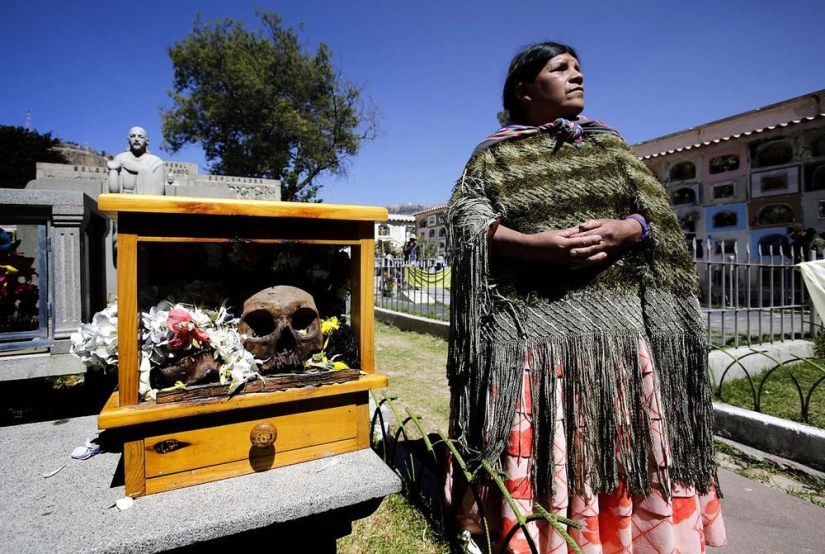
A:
[(261, 106), (22, 149)]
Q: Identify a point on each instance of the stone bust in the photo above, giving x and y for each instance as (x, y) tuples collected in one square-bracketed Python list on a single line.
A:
[(137, 170)]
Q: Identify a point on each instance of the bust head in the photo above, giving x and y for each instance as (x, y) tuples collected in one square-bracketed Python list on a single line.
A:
[(138, 140)]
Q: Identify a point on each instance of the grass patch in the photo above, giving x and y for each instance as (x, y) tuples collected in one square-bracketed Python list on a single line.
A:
[(396, 527), (415, 365), (780, 396)]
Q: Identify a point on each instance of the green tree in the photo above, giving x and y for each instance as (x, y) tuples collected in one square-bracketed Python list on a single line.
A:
[(22, 149), (262, 107)]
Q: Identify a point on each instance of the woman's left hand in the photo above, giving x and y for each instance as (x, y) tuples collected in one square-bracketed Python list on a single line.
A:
[(617, 235)]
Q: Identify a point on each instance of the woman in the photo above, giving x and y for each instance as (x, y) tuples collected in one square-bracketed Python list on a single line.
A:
[(577, 360)]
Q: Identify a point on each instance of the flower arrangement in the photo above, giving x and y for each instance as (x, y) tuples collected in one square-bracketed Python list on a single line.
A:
[(192, 324), (19, 296), (170, 332)]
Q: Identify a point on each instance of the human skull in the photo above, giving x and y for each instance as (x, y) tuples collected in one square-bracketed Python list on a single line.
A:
[(281, 326)]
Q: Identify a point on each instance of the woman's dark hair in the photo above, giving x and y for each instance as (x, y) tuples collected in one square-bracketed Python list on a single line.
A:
[(524, 68)]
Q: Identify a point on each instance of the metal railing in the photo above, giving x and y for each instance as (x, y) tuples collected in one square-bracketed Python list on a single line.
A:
[(753, 297), (746, 298), (779, 390), (420, 288)]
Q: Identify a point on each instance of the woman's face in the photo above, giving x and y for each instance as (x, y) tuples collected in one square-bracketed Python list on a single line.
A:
[(558, 91)]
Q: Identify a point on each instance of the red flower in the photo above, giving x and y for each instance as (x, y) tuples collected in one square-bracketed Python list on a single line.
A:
[(182, 330)]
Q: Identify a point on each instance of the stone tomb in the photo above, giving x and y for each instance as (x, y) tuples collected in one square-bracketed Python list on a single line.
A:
[(203, 438)]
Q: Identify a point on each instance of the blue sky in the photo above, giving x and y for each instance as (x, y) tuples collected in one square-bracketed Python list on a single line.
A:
[(90, 70)]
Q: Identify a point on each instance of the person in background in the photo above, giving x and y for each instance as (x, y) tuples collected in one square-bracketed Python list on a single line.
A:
[(804, 241), (413, 254), (406, 252), (577, 357)]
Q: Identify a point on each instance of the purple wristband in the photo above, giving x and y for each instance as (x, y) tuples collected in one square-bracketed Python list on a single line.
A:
[(643, 223)]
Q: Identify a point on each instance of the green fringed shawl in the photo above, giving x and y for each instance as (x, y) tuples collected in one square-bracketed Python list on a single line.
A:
[(588, 322)]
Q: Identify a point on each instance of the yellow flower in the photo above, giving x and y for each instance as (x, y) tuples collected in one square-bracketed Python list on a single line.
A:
[(329, 325)]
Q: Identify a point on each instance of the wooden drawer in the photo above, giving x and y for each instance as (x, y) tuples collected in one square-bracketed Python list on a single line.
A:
[(217, 446), (176, 452)]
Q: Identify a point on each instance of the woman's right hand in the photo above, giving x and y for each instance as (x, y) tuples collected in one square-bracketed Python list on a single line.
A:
[(548, 246)]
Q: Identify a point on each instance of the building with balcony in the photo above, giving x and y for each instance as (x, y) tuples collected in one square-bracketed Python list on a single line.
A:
[(431, 231)]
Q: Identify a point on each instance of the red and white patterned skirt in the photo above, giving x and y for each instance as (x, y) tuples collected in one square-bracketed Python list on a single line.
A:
[(611, 522)]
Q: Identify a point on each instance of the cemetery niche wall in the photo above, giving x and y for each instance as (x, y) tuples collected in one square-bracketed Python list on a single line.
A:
[(52, 278), (254, 337)]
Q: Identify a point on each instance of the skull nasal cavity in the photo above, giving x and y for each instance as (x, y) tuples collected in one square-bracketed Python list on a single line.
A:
[(261, 322), (286, 342)]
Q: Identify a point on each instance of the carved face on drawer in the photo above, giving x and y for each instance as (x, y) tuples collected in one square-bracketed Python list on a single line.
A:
[(281, 326)]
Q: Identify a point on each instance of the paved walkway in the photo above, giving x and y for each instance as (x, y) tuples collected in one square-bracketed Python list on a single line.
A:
[(764, 520)]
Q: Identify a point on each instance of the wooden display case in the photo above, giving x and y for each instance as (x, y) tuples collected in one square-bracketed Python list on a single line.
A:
[(182, 443)]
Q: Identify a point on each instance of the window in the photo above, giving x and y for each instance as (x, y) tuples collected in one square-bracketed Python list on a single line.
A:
[(725, 246), (721, 164), (695, 246), (774, 153), (422, 223), (688, 222), (724, 190), (24, 296), (777, 181), (383, 230), (684, 196), (431, 221), (774, 182), (817, 181), (821, 209), (770, 245), (682, 171), (432, 233), (775, 214), (442, 232), (819, 146), (725, 219)]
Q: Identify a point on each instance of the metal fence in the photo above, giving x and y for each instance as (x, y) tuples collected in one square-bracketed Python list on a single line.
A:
[(746, 298), (420, 288), (753, 297)]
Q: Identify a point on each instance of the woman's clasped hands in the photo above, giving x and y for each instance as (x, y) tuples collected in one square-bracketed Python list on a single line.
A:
[(589, 244)]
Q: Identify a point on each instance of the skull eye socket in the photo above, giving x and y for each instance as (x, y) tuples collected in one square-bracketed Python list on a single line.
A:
[(260, 322), (303, 318)]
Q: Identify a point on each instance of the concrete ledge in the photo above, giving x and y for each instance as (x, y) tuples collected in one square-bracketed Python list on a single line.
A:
[(754, 363), (54, 504), (409, 322), (33, 366), (801, 443)]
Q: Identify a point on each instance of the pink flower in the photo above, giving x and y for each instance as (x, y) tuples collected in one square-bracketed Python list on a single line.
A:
[(182, 330)]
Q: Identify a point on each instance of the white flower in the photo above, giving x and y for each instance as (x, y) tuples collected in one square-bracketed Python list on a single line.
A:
[(96, 343)]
